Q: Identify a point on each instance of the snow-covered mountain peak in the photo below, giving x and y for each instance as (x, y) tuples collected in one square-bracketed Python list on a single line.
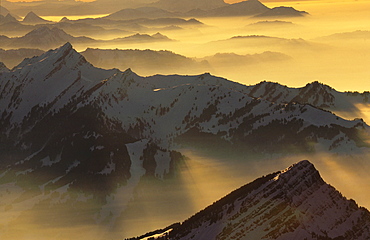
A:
[(304, 164), (63, 72), (294, 203), (65, 53), (303, 170)]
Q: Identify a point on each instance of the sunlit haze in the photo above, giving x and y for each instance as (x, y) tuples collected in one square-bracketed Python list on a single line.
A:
[(337, 62), (330, 45)]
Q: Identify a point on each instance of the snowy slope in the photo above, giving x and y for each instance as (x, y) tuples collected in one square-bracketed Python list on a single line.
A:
[(67, 126), (291, 204), (315, 93)]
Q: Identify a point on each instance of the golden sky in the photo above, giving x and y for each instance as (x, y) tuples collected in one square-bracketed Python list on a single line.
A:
[(227, 1)]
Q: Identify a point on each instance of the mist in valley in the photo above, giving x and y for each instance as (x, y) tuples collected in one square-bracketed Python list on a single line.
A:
[(331, 45)]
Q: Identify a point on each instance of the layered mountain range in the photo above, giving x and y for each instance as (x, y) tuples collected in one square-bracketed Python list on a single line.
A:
[(46, 38), (163, 8), (79, 136), (294, 203)]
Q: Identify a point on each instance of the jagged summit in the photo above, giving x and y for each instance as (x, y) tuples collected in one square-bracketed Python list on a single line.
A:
[(33, 18), (294, 203), (66, 53), (317, 85)]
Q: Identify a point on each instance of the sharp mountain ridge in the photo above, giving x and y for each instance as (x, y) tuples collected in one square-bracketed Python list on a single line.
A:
[(294, 203)]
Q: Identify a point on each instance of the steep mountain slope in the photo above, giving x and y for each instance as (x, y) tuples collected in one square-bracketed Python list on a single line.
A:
[(3, 67), (15, 28), (294, 203), (76, 137)]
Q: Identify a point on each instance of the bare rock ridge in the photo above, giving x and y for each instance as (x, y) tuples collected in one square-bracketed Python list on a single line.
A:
[(291, 204)]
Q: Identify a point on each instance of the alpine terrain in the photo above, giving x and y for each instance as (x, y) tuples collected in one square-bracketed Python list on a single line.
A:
[(294, 203), (76, 140)]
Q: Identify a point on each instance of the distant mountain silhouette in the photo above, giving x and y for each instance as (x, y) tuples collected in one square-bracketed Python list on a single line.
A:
[(7, 19), (143, 12), (232, 59), (32, 18), (45, 38), (13, 57), (245, 8), (3, 11), (188, 5), (166, 62), (355, 35), (15, 28), (275, 23), (142, 38), (282, 12)]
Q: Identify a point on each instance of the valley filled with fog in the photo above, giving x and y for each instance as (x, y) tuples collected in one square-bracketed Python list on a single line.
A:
[(309, 62)]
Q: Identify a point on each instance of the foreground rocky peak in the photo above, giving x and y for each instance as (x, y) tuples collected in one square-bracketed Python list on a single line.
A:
[(294, 203)]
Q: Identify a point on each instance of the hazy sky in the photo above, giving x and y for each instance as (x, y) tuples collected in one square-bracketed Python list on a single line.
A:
[(227, 1)]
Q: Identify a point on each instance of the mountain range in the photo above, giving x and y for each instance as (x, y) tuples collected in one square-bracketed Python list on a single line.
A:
[(155, 9), (45, 38), (83, 137), (166, 62)]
